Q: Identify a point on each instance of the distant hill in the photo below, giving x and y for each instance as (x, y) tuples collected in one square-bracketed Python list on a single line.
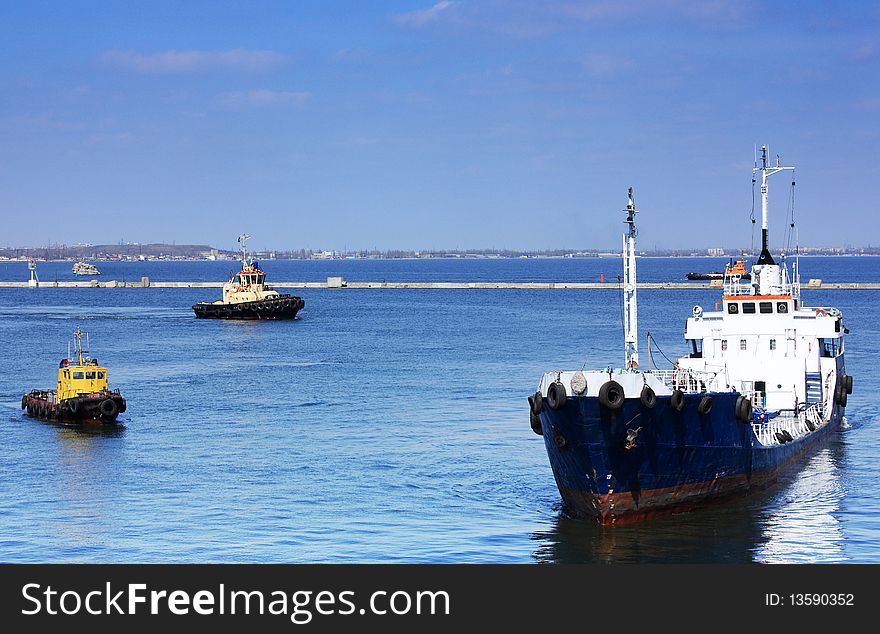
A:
[(100, 251)]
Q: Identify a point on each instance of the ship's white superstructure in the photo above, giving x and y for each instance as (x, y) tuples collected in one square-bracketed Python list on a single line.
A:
[(248, 284)]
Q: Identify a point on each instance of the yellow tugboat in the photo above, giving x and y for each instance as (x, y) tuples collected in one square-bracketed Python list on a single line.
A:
[(247, 296), (82, 394)]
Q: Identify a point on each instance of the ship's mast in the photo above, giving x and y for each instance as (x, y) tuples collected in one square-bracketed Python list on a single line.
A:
[(766, 172), (630, 312), (242, 240), (77, 346)]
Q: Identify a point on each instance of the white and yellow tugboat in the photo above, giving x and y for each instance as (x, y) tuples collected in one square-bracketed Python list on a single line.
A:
[(247, 296), (82, 394)]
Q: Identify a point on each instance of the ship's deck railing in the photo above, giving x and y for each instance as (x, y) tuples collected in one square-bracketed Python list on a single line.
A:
[(733, 285), (797, 424), (686, 380), (49, 395)]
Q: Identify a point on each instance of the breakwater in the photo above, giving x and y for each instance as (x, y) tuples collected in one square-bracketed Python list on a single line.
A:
[(335, 283)]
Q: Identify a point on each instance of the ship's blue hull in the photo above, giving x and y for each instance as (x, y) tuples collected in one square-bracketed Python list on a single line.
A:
[(677, 460)]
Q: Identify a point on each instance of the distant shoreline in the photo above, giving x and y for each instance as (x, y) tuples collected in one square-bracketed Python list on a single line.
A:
[(604, 256)]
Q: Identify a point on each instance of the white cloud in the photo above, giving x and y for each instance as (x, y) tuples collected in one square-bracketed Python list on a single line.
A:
[(602, 65), (421, 18), (530, 19), (170, 62), (246, 100), (866, 52)]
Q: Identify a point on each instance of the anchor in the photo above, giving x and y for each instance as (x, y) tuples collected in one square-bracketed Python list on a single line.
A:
[(631, 436)]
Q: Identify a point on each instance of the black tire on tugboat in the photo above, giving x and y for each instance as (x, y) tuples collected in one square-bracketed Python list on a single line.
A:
[(840, 393), (122, 406), (736, 408), (611, 395), (744, 409), (24, 401), (538, 402), (556, 395), (109, 410), (30, 409), (847, 381), (648, 398), (705, 406), (811, 425), (535, 423), (73, 406), (676, 401)]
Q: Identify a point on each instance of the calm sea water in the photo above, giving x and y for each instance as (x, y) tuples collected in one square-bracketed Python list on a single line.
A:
[(382, 426)]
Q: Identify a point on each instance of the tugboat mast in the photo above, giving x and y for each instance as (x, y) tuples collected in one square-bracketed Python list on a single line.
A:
[(630, 313), (766, 172), (242, 240)]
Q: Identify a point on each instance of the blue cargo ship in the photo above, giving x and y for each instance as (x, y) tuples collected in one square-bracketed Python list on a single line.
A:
[(764, 381)]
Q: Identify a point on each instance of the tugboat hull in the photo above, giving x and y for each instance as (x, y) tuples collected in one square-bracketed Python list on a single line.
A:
[(282, 307), (676, 462), (100, 408)]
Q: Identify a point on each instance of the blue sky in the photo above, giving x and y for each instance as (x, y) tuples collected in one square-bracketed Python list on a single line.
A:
[(437, 124)]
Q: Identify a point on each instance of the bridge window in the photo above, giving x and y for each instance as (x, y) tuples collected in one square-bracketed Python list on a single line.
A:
[(742, 344), (100, 375), (724, 344), (765, 307), (77, 375), (749, 308), (90, 376), (773, 344)]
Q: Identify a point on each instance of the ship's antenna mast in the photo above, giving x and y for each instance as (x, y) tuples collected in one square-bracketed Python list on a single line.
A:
[(630, 312), (766, 172), (242, 240), (77, 346)]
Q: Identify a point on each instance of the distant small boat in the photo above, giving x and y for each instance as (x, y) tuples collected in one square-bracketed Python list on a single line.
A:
[(84, 268), (732, 268)]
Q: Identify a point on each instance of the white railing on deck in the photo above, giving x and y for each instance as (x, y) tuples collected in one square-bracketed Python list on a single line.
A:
[(689, 381), (794, 424)]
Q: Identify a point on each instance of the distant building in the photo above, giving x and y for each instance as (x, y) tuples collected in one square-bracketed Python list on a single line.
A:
[(715, 252)]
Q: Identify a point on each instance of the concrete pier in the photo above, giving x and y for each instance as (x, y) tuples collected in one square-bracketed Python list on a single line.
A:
[(336, 284)]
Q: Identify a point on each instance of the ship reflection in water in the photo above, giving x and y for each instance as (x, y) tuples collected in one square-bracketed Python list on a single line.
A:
[(802, 525), (91, 461), (796, 521)]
